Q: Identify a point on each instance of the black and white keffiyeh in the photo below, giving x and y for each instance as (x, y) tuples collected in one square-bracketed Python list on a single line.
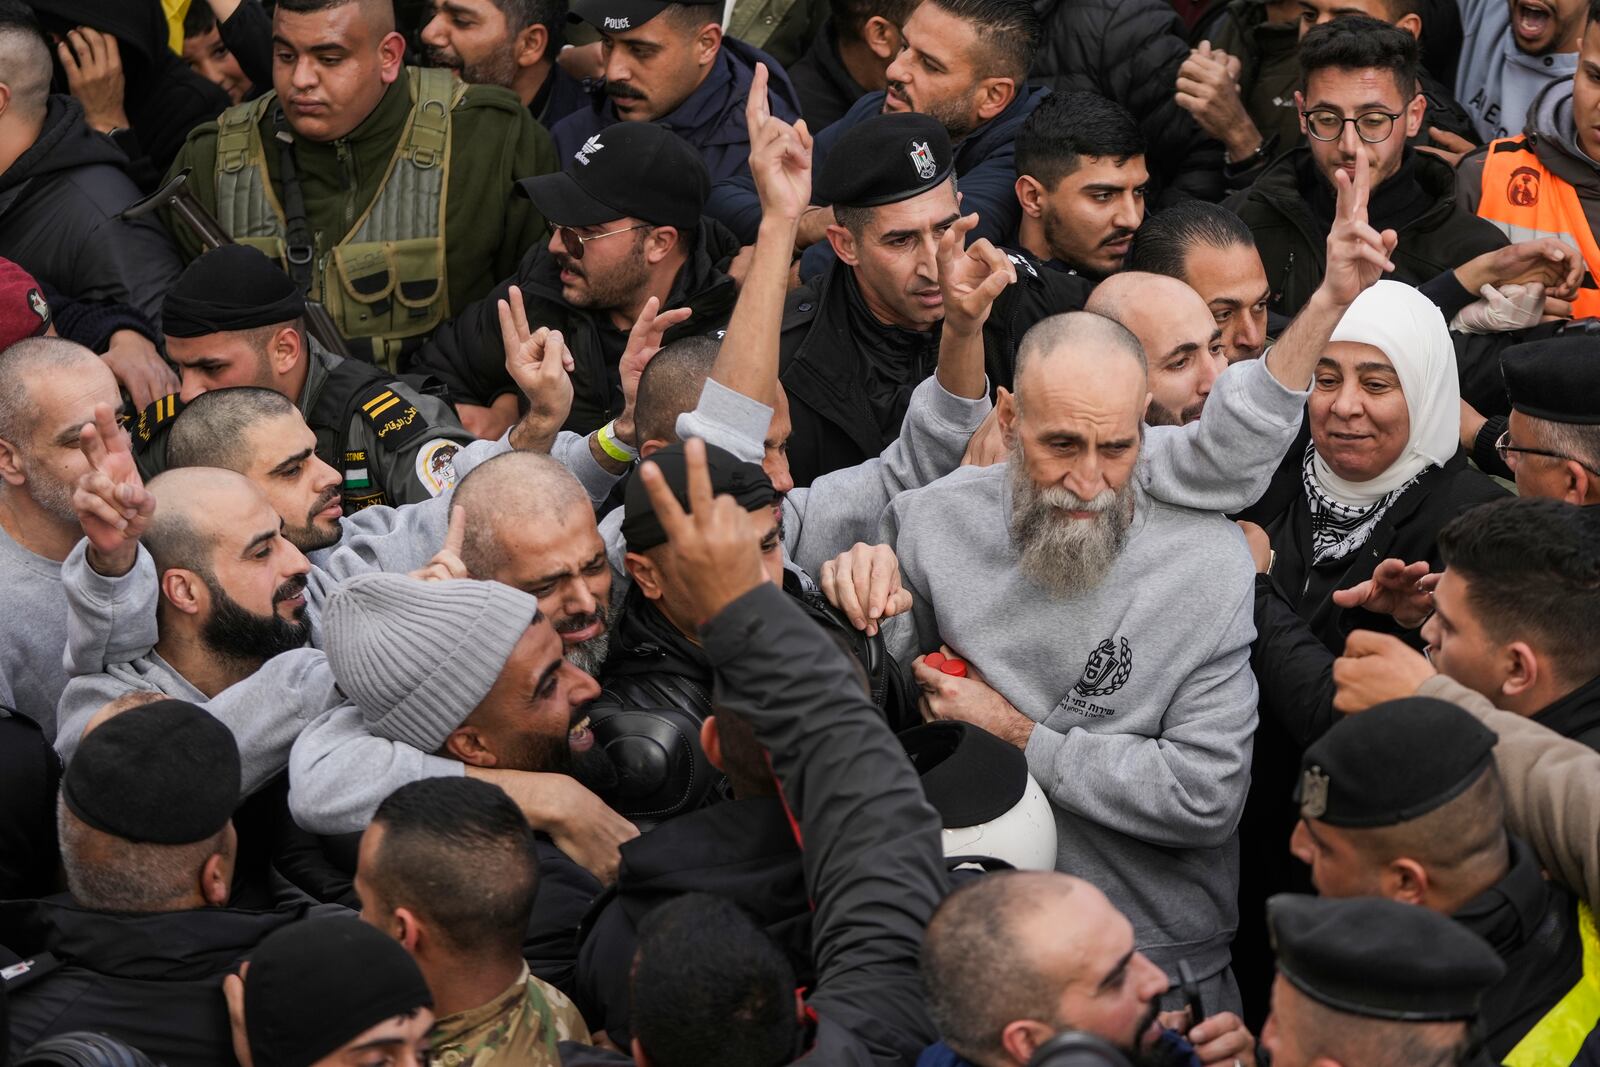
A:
[(1338, 529)]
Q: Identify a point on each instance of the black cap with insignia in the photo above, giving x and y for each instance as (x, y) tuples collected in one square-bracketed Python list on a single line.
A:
[(615, 16), (1381, 959), (1394, 762), (166, 773), (884, 160), (1556, 379)]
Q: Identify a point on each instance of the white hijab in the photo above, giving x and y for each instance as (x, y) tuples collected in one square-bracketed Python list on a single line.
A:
[(1405, 326)]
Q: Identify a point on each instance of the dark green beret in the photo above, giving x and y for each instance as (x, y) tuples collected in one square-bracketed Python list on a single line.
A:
[(1381, 959), (1394, 762)]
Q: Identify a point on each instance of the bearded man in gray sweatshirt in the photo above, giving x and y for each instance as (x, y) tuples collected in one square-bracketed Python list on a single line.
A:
[(1108, 632)]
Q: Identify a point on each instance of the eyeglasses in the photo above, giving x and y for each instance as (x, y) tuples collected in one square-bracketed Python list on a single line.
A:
[(1505, 448), (573, 241), (1328, 125)]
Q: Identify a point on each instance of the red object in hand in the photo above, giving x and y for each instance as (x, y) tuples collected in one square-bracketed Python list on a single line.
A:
[(955, 668)]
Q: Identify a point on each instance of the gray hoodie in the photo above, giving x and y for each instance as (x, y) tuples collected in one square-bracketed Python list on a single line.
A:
[(1496, 81), (1141, 686)]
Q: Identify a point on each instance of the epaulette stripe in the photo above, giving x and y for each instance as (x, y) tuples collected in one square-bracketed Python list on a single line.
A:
[(375, 412), (385, 395)]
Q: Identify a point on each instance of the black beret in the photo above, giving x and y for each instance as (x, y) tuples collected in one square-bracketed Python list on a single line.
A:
[(1381, 959), (1394, 762), (165, 773), (317, 984), (884, 160), (969, 775), (731, 476), (1556, 379), (234, 287)]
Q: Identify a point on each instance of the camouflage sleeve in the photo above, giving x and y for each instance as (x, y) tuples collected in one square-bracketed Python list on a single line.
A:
[(401, 450)]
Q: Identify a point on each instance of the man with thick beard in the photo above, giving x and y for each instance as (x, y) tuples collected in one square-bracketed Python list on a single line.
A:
[(1054, 575)]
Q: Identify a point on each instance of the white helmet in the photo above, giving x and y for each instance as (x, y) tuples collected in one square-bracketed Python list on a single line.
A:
[(990, 805)]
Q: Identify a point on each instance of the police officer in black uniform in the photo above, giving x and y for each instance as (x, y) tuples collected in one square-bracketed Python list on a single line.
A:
[(234, 318), (1372, 983), (858, 339), (1404, 800)]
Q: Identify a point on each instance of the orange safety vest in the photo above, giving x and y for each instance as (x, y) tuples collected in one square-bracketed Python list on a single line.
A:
[(1526, 201)]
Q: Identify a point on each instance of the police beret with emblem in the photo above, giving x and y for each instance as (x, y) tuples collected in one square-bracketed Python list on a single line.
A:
[(1381, 959), (1394, 762), (886, 159), (166, 773), (1556, 379), (615, 16)]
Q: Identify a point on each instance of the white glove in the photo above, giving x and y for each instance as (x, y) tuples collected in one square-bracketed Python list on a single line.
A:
[(1511, 307)]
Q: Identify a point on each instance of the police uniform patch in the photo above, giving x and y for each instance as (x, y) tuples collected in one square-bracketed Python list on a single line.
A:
[(436, 468), (357, 476), (395, 420)]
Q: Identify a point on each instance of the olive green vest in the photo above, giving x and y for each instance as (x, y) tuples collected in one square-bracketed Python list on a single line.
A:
[(384, 281)]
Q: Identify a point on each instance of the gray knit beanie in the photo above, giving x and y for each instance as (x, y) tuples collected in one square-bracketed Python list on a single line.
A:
[(416, 657)]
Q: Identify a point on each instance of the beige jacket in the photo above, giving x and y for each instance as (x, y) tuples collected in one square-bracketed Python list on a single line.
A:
[(1552, 788)]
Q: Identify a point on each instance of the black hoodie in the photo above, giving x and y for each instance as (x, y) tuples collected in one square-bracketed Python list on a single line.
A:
[(58, 218), (162, 97)]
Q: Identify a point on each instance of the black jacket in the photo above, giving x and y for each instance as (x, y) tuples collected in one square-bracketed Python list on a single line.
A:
[(1409, 530), (872, 857), (829, 340), (825, 87), (30, 772), (163, 98), (743, 850), (467, 355), (58, 218), (1290, 210), (1532, 923), (154, 981), (1130, 52)]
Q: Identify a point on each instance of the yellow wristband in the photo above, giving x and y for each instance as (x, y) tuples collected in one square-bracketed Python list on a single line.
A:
[(614, 448)]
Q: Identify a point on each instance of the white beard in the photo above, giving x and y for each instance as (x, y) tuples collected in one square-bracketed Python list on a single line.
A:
[(1066, 556)]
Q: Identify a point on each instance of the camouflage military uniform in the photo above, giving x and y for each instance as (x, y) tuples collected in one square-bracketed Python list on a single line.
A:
[(518, 1028)]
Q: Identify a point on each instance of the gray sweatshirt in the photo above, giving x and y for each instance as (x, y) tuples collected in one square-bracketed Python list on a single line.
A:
[(1496, 81), (1141, 688), (32, 634), (1148, 773)]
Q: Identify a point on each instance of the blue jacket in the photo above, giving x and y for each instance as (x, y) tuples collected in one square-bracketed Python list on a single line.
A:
[(985, 170), (1175, 1048), (712, 119)]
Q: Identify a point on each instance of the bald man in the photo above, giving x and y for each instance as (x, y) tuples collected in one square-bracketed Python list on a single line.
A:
[(1056, 576), (1011, 960), (1181, 340)]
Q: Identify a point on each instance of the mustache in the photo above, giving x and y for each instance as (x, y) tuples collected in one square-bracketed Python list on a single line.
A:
[(1116, 235), (1066, 500), (578, 622), (438, 57), (897, 88), (327, 498), (623, 91), (292, 588), (567, 263)]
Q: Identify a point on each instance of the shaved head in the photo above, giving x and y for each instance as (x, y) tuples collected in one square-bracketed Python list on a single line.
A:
[(214, 429), (517, 489), (192, 503), (29, 367), (379, 14), (671, 385), (1093, 340), (1181, 340), (24, 62), (1136, 299)]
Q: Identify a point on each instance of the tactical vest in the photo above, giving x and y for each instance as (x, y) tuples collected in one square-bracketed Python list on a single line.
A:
[(385, 280), (1557, 1037), (1522, 197)]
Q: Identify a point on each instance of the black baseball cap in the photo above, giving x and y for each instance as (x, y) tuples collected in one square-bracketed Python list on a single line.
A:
[(628, 170), (615, 16)]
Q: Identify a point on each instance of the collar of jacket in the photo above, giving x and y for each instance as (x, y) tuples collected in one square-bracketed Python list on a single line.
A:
[(1576, 715), (744, 849), (1398, 202), (982, 142), (65, 141), (1289, 183), (160, 946), (645, 642), (827, 61), (372, 143), (1508, 913)]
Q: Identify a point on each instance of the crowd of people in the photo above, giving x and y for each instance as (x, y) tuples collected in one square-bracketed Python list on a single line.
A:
[(899, 533)]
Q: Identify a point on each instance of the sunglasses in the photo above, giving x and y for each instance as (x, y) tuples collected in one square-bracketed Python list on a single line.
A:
[(573, 241)]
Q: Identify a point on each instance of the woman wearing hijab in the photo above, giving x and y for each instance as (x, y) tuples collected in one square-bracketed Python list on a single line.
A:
[(1378, 470)]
